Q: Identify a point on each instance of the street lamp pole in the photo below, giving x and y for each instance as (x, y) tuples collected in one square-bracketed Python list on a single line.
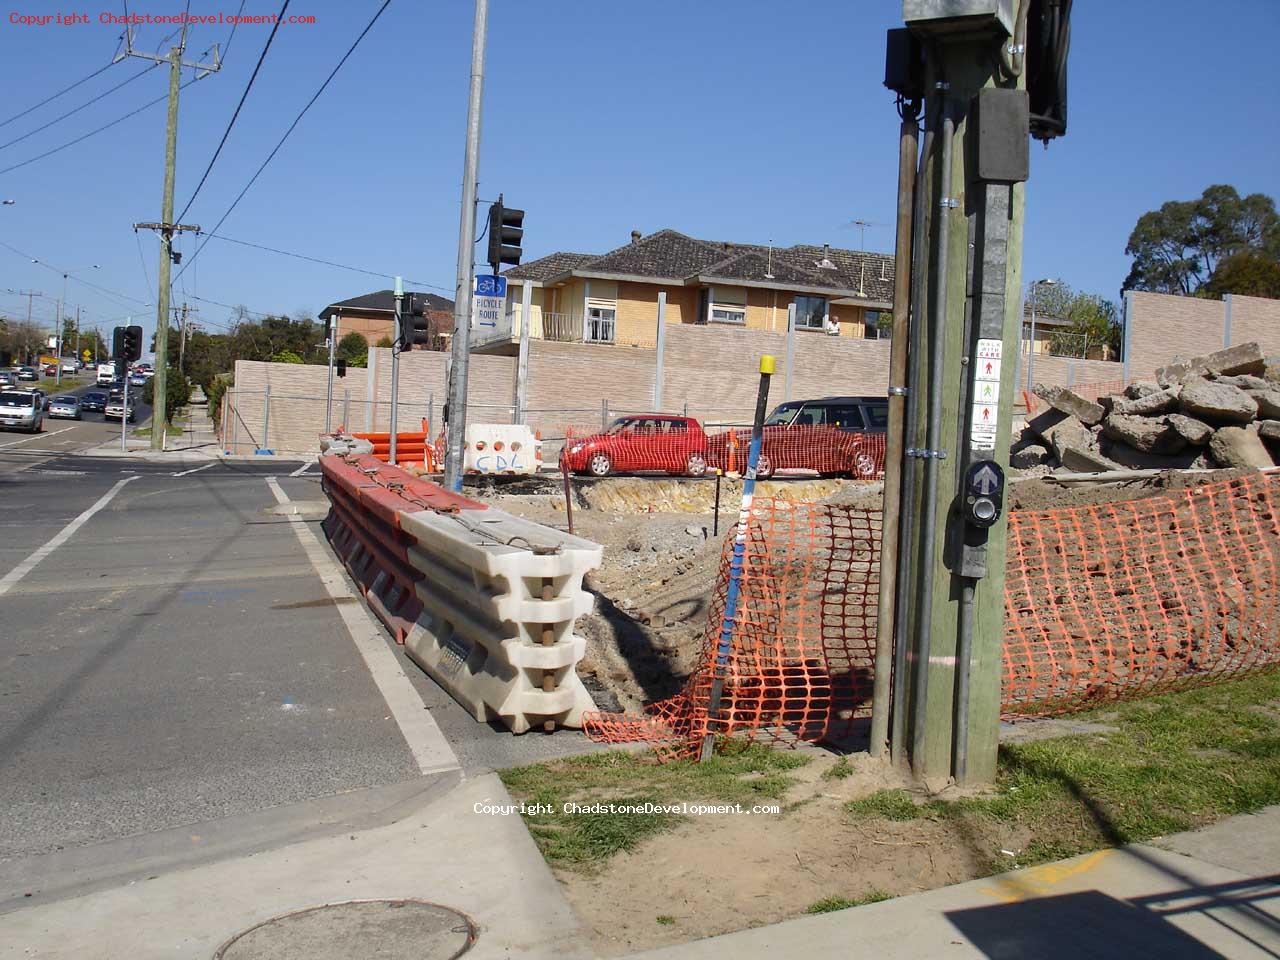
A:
[(1031, 352)]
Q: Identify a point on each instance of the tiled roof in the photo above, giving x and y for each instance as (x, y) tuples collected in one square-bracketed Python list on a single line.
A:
[(549, 266), (670, 255), (385, 300)]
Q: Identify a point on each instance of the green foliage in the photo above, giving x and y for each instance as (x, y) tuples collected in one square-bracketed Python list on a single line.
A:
[(1248, 274), (1094, 323), (385, 342), (286, 356), (354, 349), (886, 804), (177, 392), (665, 920), (214, 391), (832, 904), (1178, 248), (840, 770), (207, 355)]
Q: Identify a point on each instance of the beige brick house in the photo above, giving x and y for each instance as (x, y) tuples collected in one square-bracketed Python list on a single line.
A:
[(612, 298)]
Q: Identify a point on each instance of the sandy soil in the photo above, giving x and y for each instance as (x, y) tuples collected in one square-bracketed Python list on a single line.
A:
[(719, 873)]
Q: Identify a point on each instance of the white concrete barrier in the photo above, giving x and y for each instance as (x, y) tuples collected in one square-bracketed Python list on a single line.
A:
[(499, 598)]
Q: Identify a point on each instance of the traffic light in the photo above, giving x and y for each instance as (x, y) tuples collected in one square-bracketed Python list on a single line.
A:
[(414, 328), (132, 343), (506, 228), (117, 343)]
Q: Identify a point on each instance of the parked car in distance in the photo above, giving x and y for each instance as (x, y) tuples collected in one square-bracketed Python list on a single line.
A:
[(93, 402), (28, 373), (115, 410), (21, 410), (832, 436), (65, 407), (640, 442)]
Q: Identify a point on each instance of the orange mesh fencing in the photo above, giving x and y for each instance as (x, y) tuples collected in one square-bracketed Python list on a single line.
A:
[(799, 666), (1142, 596), (1102, 602)]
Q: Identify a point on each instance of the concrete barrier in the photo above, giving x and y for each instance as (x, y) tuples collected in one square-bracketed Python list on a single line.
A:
[(485, 602)]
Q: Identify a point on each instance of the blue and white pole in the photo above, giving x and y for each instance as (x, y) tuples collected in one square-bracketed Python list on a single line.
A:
[(738, 559)]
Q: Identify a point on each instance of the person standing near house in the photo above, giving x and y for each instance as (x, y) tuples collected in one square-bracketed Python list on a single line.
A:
[(830, 325)]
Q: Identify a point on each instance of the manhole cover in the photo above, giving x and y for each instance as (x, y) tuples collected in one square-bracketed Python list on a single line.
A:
[(386, 929)]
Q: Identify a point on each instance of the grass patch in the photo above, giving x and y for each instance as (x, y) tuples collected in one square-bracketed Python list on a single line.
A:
[(886, 804), (1176, 762), (739, 773), (665, 920), (171, 430), (840, 770), (832, 904)]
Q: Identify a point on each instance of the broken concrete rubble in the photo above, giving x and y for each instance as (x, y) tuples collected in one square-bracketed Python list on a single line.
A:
[(1151, 404), (1239, 447), (1217, 402), (1069, 402), (1144, 434)]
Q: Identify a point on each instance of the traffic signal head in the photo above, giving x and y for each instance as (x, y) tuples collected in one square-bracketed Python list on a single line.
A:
[(506, 229), (414, 328), (117, 342), (132, 343)]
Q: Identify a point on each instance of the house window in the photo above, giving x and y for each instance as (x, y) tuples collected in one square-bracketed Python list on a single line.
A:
[(727, 305), (728, 315), (599, 326), (810, 312), (876, 325)]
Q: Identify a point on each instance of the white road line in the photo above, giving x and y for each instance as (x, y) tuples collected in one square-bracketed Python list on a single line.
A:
[(303, 469), (36, 436), (27, 565), (427, 744), (196, 469)]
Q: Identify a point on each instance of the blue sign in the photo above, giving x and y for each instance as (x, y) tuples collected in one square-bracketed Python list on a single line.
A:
[(488, 285)]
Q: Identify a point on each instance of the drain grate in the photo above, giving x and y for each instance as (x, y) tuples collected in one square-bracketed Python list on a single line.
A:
[(386, 929)]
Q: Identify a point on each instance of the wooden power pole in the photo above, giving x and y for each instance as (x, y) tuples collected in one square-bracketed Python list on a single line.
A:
[(166, 227)]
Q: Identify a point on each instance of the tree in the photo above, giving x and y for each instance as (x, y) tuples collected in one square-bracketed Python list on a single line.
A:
[(385, 342), (286, 356), (354, 349), (1178, 248), (177, 392), (1248, 274), (1093, 324)]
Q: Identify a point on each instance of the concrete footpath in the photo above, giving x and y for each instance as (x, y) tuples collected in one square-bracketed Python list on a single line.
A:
[(1211, 893), (484, 866)]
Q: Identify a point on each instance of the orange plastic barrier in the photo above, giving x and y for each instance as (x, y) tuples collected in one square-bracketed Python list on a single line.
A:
[(1101, 602)]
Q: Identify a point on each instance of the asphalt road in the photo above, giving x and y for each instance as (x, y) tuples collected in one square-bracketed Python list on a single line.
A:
[(176, 659)]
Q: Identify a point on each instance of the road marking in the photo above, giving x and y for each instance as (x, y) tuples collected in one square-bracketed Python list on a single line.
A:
[(303, 469), (196, 469), (427, 744), (27, 565), (36, 436)]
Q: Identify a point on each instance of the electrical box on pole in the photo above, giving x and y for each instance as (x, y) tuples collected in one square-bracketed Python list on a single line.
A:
[(506, 231), (970, 63)]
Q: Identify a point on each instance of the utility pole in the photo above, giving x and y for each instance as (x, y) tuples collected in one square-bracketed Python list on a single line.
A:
[(77, 334), (461, 347), (166, 227), (182, 339), (965, 59)]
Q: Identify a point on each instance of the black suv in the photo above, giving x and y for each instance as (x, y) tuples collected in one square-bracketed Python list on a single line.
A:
[(95, 401), (850, 414)]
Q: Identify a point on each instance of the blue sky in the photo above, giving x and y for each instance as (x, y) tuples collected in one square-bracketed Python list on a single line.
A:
[(732, 119)]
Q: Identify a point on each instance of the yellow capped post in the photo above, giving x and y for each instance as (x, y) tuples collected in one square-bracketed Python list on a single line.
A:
[(767, 363)]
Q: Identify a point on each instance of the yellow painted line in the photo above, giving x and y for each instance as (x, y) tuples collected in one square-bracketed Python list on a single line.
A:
[(1041, 881)]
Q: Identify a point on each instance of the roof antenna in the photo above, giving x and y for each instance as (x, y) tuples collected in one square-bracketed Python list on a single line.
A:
[(768, 270)]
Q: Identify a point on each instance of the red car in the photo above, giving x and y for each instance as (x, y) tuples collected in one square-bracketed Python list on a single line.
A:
[(639, 442)]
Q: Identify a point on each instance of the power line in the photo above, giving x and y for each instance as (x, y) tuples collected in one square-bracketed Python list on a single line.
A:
[(76, 110), (226, 47), (18, 116), (327, 263), (292, 127), (107, 126), (244, 96), (72, 276)]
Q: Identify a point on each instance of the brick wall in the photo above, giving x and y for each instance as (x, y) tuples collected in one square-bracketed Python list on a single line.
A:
[(712, 369)]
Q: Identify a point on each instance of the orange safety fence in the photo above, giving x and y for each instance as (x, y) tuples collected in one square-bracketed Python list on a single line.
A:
[(671, 446), (1102, 602)]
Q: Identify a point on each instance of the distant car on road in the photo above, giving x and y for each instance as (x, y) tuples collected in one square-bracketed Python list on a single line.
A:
[(28, 373), (8, 378), (106, 373), (137, 379), (640, 442), (115, 410), (833, 436), (93, 402), (21, 410), (69, 366), (65, 407)]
